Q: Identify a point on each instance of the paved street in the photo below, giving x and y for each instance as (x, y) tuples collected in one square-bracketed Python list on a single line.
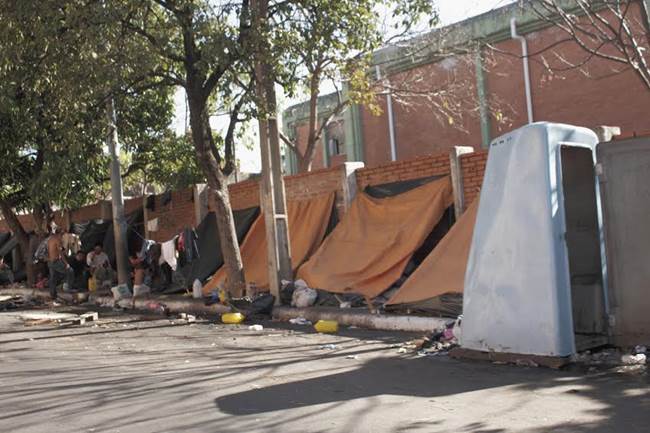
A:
[(129, 373)]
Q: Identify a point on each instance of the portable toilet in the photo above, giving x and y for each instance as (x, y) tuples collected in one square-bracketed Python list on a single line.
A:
[(534, 280)]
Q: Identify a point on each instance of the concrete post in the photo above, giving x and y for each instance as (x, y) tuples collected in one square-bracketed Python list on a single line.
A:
[(457, 177), (201, 206), (606, 133), (145, 216), (119, 222), (349, 181)]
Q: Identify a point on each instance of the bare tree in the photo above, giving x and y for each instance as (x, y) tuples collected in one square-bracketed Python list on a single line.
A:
[(613, 30)]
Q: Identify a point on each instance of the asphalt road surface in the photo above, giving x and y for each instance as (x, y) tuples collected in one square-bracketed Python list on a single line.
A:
[(129, 373)]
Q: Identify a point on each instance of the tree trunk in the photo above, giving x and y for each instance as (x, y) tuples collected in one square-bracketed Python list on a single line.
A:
[(23, 239), (305, 161), (202, 139)]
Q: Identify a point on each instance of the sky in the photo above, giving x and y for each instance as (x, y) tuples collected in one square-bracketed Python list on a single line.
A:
[(450, 11)]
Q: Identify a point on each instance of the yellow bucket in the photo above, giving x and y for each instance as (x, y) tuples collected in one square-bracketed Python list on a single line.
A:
[(327, 326), (232, 318)]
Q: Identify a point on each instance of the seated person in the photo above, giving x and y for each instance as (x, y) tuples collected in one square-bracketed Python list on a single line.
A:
[(80, 270), (6, 274), (139, 272), (100, 267)]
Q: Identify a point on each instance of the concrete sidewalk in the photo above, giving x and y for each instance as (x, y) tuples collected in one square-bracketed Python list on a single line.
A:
[(130, 373), (359, 317)]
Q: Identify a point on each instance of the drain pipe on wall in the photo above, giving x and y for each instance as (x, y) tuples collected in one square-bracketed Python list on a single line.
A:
[(391, 120), (524, 57)]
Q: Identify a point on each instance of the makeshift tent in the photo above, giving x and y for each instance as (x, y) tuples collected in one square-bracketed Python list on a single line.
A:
[(443, 271), (8, 246), (210, 257), (534, 276), (308, 224), (134, 235), (371, 246), (395, 188), (91, 233), (4, 237)]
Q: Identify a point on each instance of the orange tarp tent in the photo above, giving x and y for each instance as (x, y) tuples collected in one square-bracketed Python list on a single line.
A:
[(371, 246), (308, 221), (443, 271)]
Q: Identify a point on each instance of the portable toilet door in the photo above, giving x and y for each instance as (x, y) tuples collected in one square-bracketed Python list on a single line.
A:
[(534, 280)]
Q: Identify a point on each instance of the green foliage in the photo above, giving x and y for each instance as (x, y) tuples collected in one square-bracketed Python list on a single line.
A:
[(59, 62), (333, 40)]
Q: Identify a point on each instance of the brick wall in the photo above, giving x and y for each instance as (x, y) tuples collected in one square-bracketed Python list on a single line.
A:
[(301, 186), (472, 169), (304, 186), (175, 215), (179, 212), (25, 220), (244, 194), (422, 166)]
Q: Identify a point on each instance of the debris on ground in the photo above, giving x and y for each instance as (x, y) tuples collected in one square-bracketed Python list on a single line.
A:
[(36, 318), (628, 359), (352, 357), (232, 318), (525, 362), (256, 328), (438, 343), (299, 321), (621, 361), (189, 318), (13, 302), (327, 326), (303, 296), (329, 347)]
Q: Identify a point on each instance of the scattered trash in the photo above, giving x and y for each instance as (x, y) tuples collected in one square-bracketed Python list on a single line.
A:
[(526, 363), (639, 349), (157, 307), (345, 305), (352, 357), (197, 289), (120, 292), (439, 343), (35, 318), (299, 321), (303, 296), (329, 347), (327, 326), (637, 359), (188, 317), (141, 290), (11, 302), (232, 318), (256, 328)]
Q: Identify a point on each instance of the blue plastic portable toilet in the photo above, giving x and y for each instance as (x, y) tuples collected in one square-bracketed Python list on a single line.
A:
[(534, 280)]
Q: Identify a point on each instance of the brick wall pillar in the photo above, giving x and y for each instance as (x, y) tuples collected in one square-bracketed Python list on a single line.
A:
[(349, 182), (201, 206), (457, 177)]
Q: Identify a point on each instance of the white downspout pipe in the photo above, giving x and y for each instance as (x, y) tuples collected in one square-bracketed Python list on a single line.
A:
[(524, 58), (391, 120)]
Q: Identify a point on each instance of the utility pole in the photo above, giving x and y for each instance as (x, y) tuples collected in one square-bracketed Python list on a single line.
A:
[(272, 191), (119, 222)]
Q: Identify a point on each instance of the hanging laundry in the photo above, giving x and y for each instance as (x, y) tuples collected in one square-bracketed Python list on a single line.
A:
[(152, 225), (71, 243), (168, 253), (144, 251)]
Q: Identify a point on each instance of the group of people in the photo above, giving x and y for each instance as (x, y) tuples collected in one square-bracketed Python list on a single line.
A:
[(76, 271)]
